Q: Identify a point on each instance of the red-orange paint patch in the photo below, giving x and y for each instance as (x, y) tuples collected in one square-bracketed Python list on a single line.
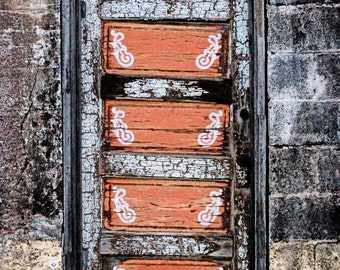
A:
[(164, 205), (166, 127), (165, 49), (168, 265)]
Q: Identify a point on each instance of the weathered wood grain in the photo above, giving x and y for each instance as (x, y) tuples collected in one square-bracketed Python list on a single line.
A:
[(163, 9), (217, 246), (166, 166), (166, 205), (114, 86), (166, 127), (175, 50), (166, 264)]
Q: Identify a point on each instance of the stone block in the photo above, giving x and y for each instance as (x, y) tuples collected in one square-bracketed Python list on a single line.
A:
[(304, 218), (34, 255), (297, 256), (292, 170), (300, 169), (303, 122), (327, 256), (26, 5), (304, 76), (28, 39), (295, 29), (329, 170)]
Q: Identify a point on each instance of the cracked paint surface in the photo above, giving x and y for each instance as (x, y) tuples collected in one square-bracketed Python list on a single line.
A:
[(183, 9)]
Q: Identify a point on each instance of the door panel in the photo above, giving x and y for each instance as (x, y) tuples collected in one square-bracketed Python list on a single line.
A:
[(165, 49), (166, 163), (166, 127), (164, 205)]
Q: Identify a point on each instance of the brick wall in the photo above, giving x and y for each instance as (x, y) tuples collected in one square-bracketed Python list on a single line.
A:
[(30, 135), (304, 100)]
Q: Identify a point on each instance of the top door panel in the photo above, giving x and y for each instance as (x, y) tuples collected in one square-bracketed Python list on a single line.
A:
[(164, 9), (165, 50)]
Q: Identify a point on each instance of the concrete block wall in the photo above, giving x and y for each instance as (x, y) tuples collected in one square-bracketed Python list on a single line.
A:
[(30, 135), (304, 134)]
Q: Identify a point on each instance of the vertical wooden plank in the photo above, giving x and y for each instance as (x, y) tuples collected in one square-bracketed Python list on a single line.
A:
[(260, 135), (70, 72)]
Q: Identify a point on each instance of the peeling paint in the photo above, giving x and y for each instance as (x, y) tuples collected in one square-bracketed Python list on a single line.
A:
[(185, 167), (184, 9)]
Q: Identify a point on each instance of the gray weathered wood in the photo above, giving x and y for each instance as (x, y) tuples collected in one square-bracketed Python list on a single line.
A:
[(260, 136), (167, 244), (162, 9), (183, 167), (70, 72), (217, 90)]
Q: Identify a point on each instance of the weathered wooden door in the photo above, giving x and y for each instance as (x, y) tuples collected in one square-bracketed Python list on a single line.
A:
[(166, 162)]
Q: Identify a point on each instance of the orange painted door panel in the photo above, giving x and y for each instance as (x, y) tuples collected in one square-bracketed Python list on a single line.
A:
[(167, 265), (165, 49), (164, 205), (166, 127)]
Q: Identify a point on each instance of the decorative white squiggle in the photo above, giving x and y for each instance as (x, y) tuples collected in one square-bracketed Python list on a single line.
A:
[(122, 208), (120, 52), (209, 55), (124, 136), (208, 216), (116, 268), (208, 138)]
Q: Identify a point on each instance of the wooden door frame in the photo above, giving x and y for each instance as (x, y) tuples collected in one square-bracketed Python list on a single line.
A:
[(71, 95), (71, 89), (260, 138)]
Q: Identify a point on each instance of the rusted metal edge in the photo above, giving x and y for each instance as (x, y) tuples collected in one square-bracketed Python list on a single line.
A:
[(70, 77), (260, 149), (184, 245)]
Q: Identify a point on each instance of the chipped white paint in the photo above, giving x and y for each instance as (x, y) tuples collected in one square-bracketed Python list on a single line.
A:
[(162, 9), (120, 52), (160, 88), (209, 55), (91, 139), (116, 268), (242, 248), (240, 35), (212, 210), (162, 245), (208, 138), (165, 166), (120, 129), (122, 208)]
